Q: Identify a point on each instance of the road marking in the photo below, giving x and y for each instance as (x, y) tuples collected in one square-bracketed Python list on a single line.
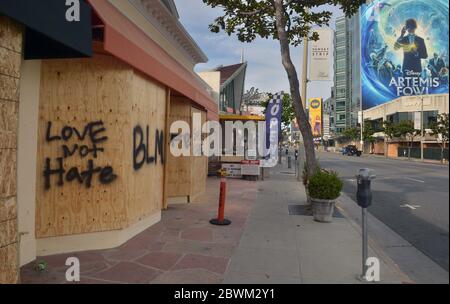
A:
[(412, 207), (415, 180)]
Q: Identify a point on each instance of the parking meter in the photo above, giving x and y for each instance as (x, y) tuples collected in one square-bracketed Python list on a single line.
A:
[(364, 192), (364, 200)]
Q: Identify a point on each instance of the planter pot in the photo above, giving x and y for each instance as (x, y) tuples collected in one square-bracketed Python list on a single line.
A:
[(323, 210)]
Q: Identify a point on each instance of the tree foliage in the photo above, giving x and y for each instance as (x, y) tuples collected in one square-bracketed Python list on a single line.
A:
[(348, 135), (440, 129), (403, 130), (368, 132), (257, 18)]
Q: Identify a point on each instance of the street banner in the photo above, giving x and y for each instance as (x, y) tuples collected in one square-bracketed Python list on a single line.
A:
[(315, 116), (273, 124), (320, 58), (417, 120), (404, 49)]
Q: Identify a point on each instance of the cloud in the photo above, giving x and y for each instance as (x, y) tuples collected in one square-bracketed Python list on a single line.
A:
[(265, 70)]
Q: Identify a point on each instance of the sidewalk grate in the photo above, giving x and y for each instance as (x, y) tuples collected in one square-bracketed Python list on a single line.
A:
[(301, 210), (287, 173)]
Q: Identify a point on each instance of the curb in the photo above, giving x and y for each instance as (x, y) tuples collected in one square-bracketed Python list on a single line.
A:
[(373, 244)]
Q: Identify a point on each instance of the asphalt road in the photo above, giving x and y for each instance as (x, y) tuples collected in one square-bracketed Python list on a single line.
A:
[(410, 198)]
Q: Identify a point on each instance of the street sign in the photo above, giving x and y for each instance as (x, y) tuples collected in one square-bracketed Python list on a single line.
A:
[(232, 170), (250, 167)]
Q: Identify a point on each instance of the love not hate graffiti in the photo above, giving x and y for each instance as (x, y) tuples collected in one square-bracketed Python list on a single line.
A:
[(92, 132)]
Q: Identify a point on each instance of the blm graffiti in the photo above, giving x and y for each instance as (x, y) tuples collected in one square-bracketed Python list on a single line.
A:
[(141, 147), (93, 134)]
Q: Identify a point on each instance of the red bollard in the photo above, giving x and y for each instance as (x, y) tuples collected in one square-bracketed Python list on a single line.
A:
[(221, 220)]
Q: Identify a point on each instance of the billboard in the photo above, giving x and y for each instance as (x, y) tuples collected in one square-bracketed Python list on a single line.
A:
[(315, 116), (404, 49), (320, 59)]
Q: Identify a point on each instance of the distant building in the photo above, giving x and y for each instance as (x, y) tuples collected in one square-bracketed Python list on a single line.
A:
[(252, 102), (228, 83), (406, 108), (328, 116), (346, 73)]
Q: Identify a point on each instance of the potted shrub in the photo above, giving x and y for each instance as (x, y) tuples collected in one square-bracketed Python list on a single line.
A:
[(324, 188)]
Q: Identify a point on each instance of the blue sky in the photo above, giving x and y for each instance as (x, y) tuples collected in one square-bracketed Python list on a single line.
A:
[(264, 61)]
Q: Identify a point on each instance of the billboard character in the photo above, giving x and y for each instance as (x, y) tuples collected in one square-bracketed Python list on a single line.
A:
[(414, 48)]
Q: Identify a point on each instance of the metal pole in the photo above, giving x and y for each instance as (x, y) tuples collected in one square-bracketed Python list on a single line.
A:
[(422, 130), (364, 243), (362, 130)]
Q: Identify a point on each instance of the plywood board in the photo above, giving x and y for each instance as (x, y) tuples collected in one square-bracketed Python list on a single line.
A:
[(107, 92), (199, 167), (186, 174), (146, 184), (179, 168)]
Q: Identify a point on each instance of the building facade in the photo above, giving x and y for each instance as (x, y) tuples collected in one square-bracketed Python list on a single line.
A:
[(407, 108), (347, 101), (228, 83), (328, 116), (85, 126)]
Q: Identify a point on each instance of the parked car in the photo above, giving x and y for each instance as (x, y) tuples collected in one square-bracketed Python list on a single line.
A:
[(351, 150)]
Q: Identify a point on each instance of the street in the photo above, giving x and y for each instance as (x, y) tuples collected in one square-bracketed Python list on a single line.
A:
[(411, 198)]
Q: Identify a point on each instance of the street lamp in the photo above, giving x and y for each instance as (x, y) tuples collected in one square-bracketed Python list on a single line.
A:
[(422, 130)]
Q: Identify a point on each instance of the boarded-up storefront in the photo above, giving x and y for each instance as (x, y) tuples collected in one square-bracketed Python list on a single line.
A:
[(186, 174), (100, 149), (10, 58), (95, 166)]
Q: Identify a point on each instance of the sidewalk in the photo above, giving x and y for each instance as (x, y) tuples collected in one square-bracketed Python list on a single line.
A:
[(280, 248), (182, 249), (264, 244)]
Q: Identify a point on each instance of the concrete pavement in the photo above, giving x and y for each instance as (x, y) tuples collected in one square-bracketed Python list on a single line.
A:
[(411, 203), (264, 244), (184, 248), (280, 248)]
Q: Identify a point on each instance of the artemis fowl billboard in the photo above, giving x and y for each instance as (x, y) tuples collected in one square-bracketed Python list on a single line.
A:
[(404, 49)]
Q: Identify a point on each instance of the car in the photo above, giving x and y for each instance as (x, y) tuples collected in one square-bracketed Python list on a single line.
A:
[(351, 150)]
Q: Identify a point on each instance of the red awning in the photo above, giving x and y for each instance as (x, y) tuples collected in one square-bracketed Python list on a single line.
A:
[(126, 41)]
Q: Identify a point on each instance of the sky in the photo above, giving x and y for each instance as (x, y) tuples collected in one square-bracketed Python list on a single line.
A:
[(264, 70)]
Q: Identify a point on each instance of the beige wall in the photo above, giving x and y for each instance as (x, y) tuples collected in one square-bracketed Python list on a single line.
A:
[(213, 80), (10, 60), (126, 8), (409, 104), (26, 166)]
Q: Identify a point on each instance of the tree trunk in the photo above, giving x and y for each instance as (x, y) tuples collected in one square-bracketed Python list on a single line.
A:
[(303, 121)]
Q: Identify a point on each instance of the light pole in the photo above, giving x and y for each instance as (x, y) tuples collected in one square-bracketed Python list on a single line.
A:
[(362, 129), (422, 129)]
